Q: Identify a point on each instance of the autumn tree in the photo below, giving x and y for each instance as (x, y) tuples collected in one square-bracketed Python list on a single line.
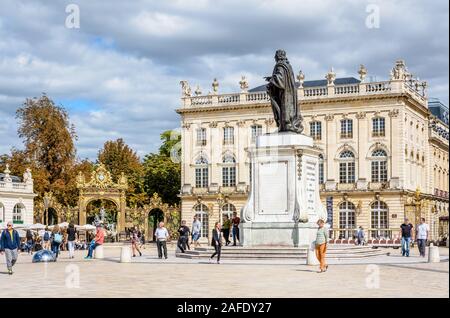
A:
[(49, 148), (118, 157)]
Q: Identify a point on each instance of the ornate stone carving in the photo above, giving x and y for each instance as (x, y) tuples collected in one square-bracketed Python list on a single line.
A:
[(243, 83), (241, 123), (269, 121), (27, 177), (198, 91), (215, 86), (301, 78), (393, 113), (213, 124), (399, 71), (186, 125), (362, 72), (330, 77), (185, 89), (361, 115), (329, 117)]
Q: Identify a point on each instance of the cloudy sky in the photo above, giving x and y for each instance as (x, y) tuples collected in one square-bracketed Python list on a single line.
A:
[(118, 74)]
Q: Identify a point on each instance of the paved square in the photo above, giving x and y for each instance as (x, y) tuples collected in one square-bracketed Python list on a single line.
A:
[(381, 276)]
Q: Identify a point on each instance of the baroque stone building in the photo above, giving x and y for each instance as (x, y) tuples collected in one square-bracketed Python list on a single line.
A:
[(16, 198), (384, 155)]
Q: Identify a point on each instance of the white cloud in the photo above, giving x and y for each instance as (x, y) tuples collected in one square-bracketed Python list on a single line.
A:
[(127, 58)]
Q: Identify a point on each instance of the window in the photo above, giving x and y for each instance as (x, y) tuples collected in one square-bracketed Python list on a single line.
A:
[(229, 171), (2, 212), (347, 219), (347, 167), (201, 211), (379, 220), (379, 166), (201, 173), (346, 128), (228, 209), (228, 135), (256, 131), (378, 127), (18, 211), (321, 175), (201, 137), (315, 128)]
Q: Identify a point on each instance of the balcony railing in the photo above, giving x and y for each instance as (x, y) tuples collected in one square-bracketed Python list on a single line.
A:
[(307, 93)]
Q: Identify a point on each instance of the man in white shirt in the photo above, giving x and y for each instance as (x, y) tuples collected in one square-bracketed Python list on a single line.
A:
[(162, 235), (422, 233), (196, 228)]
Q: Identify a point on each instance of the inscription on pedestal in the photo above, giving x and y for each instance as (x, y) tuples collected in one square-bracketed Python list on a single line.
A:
[(310, 185), (273, 191)]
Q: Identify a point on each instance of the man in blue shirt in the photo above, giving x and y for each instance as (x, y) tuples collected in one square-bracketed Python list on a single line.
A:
[(10, 243)]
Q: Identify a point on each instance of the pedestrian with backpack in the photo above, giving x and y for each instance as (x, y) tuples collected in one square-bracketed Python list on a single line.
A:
[(9, 244), (56, 239), (46, 239)]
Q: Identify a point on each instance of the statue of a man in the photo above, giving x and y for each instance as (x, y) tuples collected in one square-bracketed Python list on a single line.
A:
[(283, 95)]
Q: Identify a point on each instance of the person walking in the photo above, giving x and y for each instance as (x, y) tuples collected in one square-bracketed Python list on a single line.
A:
[(9, 244), (183, 231), (196, 228), (360, 236), (216, 242), (226, 229), (46, 239), (97, 241), (235, 221), (321, 245), (56, 240), (423, 231), (71, 239), (134, 242), (30, 242), (162, 235), (406, 230)]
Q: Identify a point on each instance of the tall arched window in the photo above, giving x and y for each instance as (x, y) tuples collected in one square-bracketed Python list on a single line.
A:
[(201, 172), (228, 171), (347, 219), (2, 212), (347, 167), (18, 213), (201, 211), (379, 166), (228, 209), (379, 219), (321, 170)]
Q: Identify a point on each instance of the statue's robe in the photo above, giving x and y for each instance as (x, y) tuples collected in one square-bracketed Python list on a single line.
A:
[(283, 96)]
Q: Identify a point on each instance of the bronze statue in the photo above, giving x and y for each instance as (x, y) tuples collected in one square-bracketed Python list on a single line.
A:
[(283, 95)]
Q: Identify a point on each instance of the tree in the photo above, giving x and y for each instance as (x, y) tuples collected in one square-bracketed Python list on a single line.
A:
[(163, 176), (163, 171), (49, 151), (118, 157)]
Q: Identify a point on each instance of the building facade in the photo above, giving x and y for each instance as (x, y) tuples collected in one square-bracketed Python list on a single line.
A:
[(378, 142), (16, 198)]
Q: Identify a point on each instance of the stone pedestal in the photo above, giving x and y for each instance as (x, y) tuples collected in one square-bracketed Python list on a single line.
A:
[(433, 254), (125, 254), (98, 252), (284, 204)]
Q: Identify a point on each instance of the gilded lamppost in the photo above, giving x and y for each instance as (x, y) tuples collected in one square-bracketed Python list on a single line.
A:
[(47, 200)]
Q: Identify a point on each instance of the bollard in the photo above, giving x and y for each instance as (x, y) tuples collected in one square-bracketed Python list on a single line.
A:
[(125, 254), (311, 255), (433, 254), (98, 252)]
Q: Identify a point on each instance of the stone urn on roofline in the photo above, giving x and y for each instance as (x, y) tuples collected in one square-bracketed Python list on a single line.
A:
[(284, 203)]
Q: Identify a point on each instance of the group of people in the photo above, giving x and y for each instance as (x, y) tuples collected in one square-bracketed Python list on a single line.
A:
[(218, 233), (408, 235)]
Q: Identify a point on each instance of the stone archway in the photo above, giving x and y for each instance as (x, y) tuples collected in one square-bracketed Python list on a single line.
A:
[(101, 187)]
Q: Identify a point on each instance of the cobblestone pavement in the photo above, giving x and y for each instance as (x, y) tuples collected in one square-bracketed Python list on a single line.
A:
[(147, 276)]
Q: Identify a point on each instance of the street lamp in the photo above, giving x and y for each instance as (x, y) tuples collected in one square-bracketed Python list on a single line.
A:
[(47, 198)]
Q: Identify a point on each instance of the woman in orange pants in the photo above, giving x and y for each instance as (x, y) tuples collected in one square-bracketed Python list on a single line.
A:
[(321, 245)]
